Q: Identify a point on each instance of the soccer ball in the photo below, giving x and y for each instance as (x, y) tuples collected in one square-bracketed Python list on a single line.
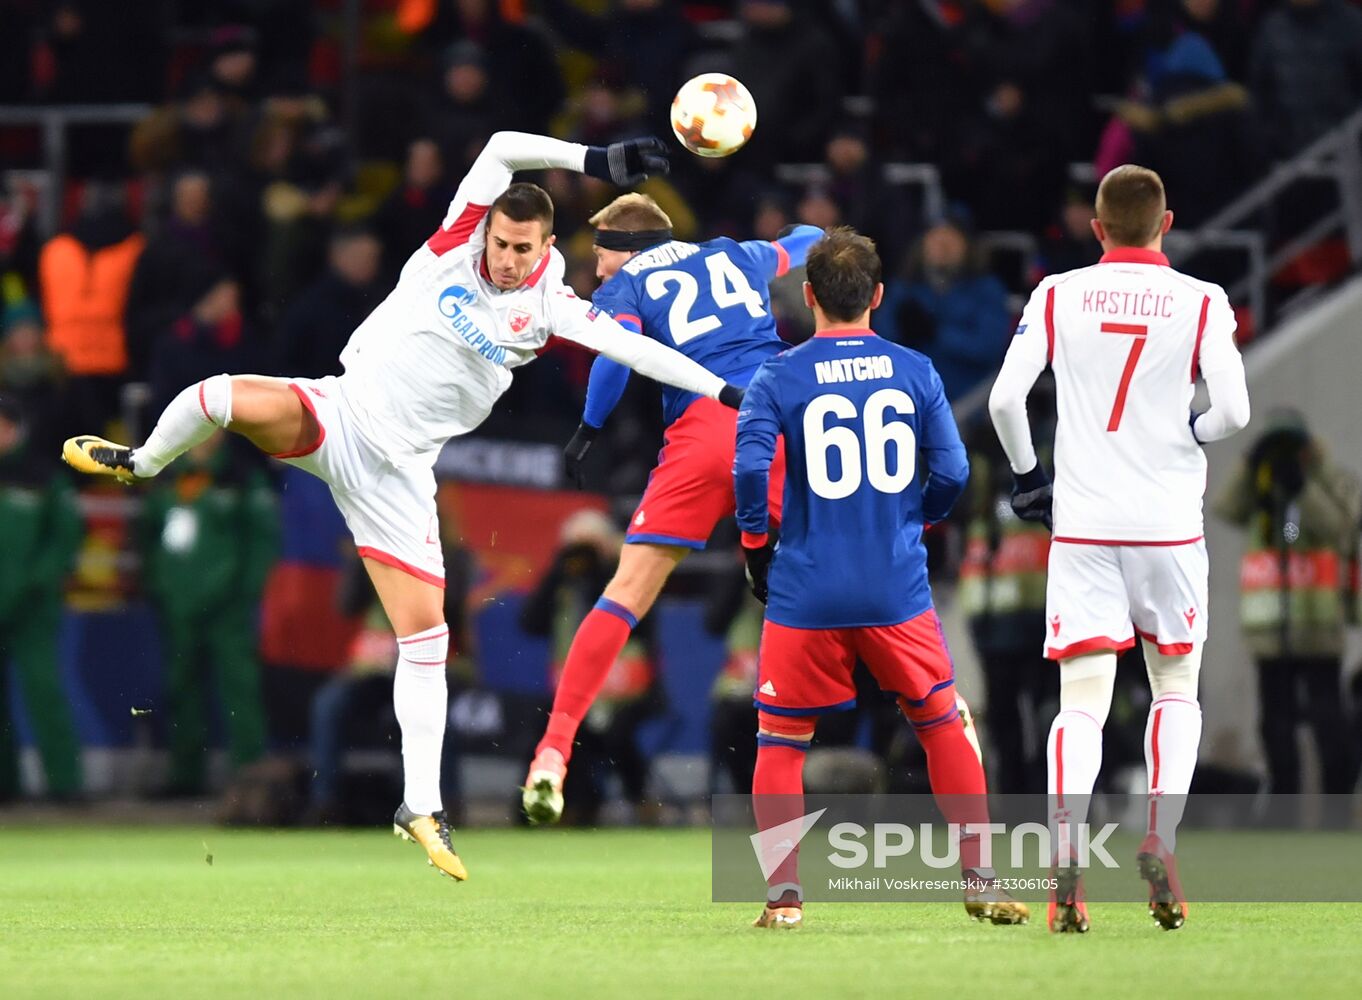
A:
[(713, 115)]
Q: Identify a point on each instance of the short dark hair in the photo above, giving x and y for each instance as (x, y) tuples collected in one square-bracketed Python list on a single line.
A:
[(523, 203), (843, 269), (1130, 205)]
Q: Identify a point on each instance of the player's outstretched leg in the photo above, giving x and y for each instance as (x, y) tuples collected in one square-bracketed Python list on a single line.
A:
[(778, 802), (597, 644), (189, 419), (957, 779), (600, 639), (264, 410)]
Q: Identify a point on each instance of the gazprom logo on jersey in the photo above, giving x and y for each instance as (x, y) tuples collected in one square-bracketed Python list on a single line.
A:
[(453, 301)]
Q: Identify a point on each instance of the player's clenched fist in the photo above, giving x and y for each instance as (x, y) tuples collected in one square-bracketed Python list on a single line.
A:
[(628, 162), (574, 453), (758, 566), (1033, 496)]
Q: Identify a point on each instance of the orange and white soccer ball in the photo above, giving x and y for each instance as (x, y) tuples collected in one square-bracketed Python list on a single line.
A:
[(713, 114)]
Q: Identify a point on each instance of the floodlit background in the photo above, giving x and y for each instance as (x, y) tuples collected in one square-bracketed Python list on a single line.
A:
[(196, 186)]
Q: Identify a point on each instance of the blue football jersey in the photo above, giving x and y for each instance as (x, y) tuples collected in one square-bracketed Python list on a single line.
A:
[(871, 453), (707, 300)]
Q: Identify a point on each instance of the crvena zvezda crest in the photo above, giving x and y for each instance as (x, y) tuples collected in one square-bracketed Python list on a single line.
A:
[(519, 319)]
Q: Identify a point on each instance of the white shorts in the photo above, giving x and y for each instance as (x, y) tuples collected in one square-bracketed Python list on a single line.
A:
[(1098, 597), (390, 511)]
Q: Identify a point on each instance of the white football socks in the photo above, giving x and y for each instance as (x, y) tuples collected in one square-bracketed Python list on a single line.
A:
[(1073, 751), (1172, 737), (421, 701), (189, 420), (1073, 755)]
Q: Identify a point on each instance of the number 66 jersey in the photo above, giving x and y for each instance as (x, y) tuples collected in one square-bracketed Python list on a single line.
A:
[(859, 415), (1126, 339)]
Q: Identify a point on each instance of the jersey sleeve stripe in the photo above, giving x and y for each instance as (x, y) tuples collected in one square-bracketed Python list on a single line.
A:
[(624, 319), (782, 260), (457, 235), (1050, 326), (1200, 330)]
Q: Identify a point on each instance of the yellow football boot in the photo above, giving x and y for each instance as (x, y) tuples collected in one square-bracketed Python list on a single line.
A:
[(432, 833), (98, 457)]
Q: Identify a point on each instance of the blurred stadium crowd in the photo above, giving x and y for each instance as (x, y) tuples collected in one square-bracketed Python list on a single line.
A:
[(296, 152)]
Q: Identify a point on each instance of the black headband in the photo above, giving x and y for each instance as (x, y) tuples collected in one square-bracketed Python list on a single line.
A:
[(623, 239)]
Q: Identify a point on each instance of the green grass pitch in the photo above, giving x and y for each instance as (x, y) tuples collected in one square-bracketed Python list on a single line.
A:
[(122, 912)]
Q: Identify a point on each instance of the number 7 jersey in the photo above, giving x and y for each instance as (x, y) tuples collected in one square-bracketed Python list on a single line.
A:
[(1126, 339)]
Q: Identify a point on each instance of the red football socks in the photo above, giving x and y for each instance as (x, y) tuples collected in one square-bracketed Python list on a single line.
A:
[(957, 780), (778, 797), (597, 644)]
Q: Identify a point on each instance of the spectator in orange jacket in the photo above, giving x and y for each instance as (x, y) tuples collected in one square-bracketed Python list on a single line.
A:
[(84, 276)]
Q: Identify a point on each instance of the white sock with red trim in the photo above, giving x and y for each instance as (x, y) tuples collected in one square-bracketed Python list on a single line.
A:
[(1074, 756), (1171, 739), (190, 419), (1074, 750), (421, 701)]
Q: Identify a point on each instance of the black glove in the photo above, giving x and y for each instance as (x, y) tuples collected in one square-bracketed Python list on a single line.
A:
[(575, 452), (1033, 496), (758, 565), (732, 396), (627, 163)]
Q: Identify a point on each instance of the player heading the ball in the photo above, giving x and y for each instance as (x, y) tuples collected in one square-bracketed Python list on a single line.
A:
[(476, 301), (848, 578), (710, 302)]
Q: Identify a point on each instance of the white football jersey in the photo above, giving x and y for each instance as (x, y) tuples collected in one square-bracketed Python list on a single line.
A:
[(1126, 339), (429, 362)]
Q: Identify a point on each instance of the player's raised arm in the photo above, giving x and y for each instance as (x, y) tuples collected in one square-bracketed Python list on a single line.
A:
[(624, 163), (778, 256), (945, 455), (580, 322), (1223, 369)]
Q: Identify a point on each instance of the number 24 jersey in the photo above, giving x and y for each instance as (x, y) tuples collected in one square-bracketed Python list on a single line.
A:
[(707, 300)]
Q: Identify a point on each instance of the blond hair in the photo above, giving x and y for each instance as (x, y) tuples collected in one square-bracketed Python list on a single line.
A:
[(630, 213), (1130, 205)]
